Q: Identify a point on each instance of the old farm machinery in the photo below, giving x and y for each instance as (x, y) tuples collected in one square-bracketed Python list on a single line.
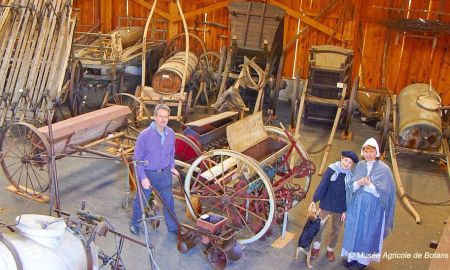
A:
[(255, 30), (326, 93), (100, 60), (411, 124), (35, 43), (65, 242), (28, 154), (179, 62), (254, 182)]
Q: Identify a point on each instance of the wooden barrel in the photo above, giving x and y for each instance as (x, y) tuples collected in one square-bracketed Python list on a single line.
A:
[(130, 35), (167, 80)]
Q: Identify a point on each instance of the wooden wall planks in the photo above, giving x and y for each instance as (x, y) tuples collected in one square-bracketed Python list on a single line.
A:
[(408, 59)]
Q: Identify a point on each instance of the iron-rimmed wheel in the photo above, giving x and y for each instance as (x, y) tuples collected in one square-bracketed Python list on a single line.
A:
[(349, 112), (75, 92), (232, 185), (211, 63), (139, 117), (385, 123), (296, 158), (25, 152), (178, 44), (187, 107), (186, 149)]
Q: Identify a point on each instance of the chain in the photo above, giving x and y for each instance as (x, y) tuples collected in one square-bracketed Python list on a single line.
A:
[(442, 203)]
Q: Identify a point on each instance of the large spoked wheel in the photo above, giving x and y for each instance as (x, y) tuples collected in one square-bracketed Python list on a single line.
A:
[(297, 158), (233, 185), (76, 91), (25, 152), (210, 61), (186, 151), (385, 123), (187, 107), (178, 44), (139, 117), (350, 106)]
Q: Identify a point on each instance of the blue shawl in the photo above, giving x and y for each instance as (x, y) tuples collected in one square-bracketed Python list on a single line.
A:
[(337, 168), (381, 177)]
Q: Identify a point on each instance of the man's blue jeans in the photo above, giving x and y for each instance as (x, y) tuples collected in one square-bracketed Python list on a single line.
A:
[(162, 182)]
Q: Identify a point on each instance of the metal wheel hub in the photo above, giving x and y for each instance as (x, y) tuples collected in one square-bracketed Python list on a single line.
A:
[(226, 199)]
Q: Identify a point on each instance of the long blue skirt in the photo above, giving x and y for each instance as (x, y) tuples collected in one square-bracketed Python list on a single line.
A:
[(364, 224)]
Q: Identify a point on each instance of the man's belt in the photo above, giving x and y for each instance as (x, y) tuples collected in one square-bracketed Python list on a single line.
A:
[(158, 170)]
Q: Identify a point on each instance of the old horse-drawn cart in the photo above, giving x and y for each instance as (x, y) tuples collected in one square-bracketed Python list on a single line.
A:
[(28, 153), (411, 124), (100, 60), (255, 30), (254, 181)]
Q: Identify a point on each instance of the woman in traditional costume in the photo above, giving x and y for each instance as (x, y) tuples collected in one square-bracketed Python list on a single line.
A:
[(370, 209)]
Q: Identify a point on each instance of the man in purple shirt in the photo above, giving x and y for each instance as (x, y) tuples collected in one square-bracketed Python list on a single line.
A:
[(156, 146)]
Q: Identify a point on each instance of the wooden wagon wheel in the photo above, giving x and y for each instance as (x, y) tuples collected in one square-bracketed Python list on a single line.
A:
[(178, 44), (233, 185), (186, 149), (139, 117), (295, 159), (187, 107), (24, 152), (385, 124), (76, 95), (349, 113), (210, 61)]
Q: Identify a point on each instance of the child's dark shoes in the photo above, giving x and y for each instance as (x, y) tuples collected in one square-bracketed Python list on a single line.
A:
[(330, 256), (314, 253)]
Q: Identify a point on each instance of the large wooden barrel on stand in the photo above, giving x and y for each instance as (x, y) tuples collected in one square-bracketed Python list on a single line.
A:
[(167, 80)]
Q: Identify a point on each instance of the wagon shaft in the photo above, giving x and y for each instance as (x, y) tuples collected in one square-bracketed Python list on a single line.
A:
[(35, 44)]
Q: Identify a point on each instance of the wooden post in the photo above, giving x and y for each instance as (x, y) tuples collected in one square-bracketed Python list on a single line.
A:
[(173, 26), (106, 15), (333, 131), (300, 109)]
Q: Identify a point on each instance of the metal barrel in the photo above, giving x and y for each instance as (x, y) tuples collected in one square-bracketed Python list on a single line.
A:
[(419, 118), (167, 80)]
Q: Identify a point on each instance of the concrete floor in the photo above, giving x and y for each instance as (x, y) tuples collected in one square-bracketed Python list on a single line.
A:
[(102, 184)]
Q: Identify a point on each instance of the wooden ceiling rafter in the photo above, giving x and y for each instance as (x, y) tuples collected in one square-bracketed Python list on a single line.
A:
[(297, 14), (148, 5), (202, 10), (307, 20)]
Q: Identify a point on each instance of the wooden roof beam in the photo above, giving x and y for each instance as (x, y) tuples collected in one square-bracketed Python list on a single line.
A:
[(202, 10), (305, 19), (147, 5)]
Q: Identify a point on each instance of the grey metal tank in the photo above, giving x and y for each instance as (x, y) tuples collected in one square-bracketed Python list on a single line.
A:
[(419, 117)]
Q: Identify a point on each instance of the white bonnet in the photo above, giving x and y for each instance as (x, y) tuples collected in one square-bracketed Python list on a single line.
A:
[(371, 142)]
